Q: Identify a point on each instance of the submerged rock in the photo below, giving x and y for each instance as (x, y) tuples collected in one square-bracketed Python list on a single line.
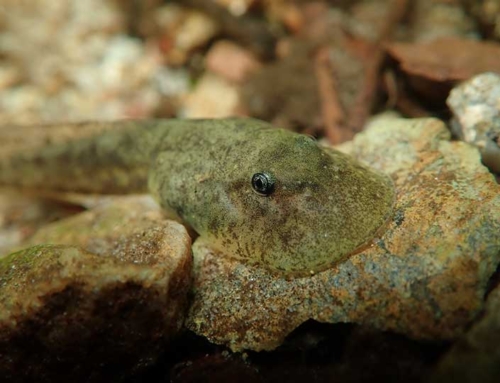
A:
[(476, 108), (424, 276), (97, 314)]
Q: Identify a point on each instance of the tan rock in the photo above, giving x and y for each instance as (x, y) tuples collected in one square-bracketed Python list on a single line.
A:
[(424, 277), (231, 61), (184, 30), (213, 97), (105, 311)]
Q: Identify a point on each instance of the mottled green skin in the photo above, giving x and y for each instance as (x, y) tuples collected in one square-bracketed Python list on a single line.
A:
[(324, 207)]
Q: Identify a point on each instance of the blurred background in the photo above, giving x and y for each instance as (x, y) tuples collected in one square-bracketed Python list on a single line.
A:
[(320, 67)]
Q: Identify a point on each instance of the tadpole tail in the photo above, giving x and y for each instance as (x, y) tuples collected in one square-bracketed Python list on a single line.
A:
[(105, 158)]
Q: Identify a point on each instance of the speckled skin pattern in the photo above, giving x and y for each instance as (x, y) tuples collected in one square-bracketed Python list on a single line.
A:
[(324, 205)]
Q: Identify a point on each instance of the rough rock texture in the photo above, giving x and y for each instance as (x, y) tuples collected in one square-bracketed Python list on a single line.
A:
[(96, 314), (425, 276), (476, 107), (476, 356)]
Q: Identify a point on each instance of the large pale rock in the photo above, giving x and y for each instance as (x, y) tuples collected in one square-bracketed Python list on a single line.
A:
[(99, 303), (475, 105), (425, 276)]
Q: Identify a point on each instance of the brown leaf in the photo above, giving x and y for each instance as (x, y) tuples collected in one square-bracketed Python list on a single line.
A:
[(447, 59)]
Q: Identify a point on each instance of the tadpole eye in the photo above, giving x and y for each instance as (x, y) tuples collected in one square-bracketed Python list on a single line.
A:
[(263, 183)]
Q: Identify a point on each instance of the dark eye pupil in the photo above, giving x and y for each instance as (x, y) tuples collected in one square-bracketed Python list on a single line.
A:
[(263, 183)]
